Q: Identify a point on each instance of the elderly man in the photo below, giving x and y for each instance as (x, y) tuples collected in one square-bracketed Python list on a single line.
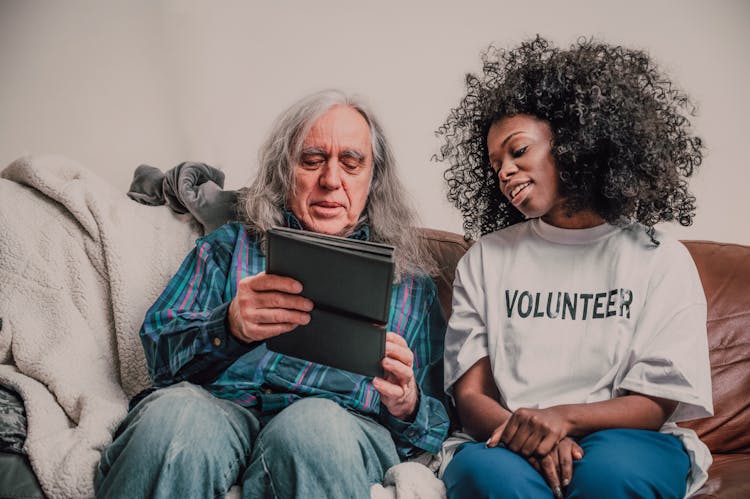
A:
[(227, 410)]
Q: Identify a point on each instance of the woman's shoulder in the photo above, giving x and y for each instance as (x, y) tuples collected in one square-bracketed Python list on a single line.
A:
[(493, 245), (507, 236), (660, 255), (661, 245)]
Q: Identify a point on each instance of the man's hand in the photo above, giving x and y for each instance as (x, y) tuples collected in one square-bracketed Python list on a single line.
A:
[(398, 390), (267, 305)]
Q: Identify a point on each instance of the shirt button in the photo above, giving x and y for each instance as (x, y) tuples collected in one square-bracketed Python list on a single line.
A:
[(217, 341)]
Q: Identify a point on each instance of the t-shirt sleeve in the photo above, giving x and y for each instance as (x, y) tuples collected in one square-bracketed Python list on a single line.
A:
[(669, 356), (466, 335)]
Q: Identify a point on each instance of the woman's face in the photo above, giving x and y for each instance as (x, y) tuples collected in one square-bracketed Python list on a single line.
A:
[(520, 152)]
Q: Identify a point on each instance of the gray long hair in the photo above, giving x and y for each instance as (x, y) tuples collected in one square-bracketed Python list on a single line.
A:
[(390, 216)]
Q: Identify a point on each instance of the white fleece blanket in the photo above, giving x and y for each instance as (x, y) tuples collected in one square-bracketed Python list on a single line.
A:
[(80, 263)]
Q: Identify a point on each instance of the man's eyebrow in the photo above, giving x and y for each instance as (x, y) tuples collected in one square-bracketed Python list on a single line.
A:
[(313, 151), (352, 153)]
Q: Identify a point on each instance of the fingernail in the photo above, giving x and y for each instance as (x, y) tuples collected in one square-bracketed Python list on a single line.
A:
[(558, 493), (487, 443), (566, 482)]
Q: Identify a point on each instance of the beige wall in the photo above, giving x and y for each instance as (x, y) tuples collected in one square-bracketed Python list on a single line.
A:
[(115, 84)]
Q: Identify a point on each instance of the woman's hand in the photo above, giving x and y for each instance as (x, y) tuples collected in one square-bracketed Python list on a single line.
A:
[(398, 389), (557, 466), (532, 432), (267, 305)]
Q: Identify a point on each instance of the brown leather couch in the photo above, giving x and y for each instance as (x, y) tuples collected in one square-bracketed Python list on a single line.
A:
[(725, 273)]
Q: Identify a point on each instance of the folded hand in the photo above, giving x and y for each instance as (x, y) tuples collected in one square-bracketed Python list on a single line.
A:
[(557, 466), (531, 432)]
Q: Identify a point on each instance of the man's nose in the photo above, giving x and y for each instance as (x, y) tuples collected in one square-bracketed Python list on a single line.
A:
[(330, 177)]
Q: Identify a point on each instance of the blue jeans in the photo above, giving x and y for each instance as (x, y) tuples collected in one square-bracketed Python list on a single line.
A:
[(182, 442), (619, 463)]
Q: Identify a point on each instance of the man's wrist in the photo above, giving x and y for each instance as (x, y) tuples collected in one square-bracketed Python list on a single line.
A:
[(234, 324), (231, 325), (413, 414)]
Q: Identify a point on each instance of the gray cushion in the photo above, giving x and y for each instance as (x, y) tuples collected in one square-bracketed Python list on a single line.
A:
[(17, 480)]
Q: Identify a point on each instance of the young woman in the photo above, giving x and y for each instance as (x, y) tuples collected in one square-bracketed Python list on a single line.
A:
[(578, 335)]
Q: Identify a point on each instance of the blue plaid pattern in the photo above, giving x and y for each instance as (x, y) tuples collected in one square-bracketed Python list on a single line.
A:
[(185, 337)]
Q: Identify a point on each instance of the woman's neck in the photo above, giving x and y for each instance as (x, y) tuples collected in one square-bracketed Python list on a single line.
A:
[(579, 220)]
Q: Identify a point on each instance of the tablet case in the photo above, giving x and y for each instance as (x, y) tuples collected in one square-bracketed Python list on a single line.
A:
[(350, 283)]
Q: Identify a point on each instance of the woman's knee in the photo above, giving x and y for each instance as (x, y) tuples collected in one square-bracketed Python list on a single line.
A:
[(625, 463), (480, 472)]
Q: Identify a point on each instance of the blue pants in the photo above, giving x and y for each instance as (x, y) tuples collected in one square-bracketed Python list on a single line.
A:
[(619, 463), (182, 442)]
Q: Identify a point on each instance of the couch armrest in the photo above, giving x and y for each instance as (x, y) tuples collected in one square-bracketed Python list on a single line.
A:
[(446, 248)]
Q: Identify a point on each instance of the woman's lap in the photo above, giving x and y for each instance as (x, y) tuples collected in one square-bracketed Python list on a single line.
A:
[(616, 463)]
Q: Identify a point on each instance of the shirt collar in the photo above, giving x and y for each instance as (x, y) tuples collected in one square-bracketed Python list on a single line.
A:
[(362, 231), (291, 221)]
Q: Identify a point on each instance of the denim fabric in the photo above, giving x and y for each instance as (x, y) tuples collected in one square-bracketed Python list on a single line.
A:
[(617, 464), (316, 448), (183, 442)]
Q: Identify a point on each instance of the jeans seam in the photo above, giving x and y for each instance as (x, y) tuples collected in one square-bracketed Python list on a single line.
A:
[(265, 468), (232, 471)]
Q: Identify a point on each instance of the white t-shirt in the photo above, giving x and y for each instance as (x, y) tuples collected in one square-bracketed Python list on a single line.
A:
[(577, 316)]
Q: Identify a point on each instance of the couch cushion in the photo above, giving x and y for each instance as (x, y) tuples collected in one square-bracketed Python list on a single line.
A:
[(447, 248), (725, 273), (727, 478), (17, 478)]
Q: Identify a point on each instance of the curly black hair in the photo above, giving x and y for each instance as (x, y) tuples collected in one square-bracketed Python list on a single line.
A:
[(621, 133)]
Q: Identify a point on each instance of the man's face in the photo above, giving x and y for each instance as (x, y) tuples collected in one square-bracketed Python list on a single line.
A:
[(332, 176)]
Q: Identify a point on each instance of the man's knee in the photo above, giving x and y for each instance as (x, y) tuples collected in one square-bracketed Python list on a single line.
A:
[(177, 439), (184, 422), (182, 413), (327, 450), (312, 427)]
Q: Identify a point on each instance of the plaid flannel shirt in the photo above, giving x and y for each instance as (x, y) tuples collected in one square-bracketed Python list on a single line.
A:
[(185, 337)]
